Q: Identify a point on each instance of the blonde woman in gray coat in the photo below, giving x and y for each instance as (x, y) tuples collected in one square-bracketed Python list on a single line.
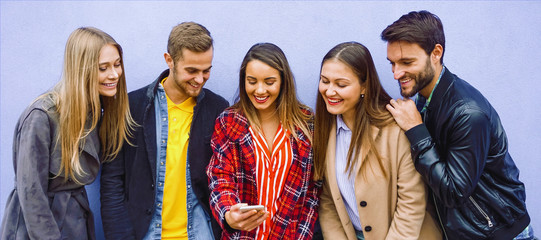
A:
[(62, 137)]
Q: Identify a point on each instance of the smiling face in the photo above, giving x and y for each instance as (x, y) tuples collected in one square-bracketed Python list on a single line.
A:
[(109, 70), (187, 75), (262, 86), (340, 88), (412, 67)]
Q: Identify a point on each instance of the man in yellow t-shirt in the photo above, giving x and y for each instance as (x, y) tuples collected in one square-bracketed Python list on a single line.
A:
[(174, 222), (157, 188)]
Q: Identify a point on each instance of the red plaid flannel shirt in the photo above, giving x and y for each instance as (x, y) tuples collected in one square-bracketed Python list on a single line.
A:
[(232, 180)]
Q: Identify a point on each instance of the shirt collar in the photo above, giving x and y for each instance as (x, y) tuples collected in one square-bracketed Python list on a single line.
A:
[(340, 124), (433, 89), (186, 106)]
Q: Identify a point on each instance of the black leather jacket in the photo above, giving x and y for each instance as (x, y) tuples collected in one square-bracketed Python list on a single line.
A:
[(461, 152)]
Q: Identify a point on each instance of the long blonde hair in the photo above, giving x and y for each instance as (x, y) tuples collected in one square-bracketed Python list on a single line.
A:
[(77, 101), (369, 111), (288, 106)]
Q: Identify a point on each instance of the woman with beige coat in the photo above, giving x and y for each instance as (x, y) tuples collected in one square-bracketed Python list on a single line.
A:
[(371, 188)]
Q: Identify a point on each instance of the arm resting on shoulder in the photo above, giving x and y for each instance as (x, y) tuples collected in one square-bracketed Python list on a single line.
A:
[(453, 175)]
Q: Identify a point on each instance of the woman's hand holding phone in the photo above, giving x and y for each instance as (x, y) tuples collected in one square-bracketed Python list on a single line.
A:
[(252, 207), (246, 219)]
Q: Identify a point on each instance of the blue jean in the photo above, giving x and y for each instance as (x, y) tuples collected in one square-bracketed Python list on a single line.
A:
[(360, 235), (526, 234)]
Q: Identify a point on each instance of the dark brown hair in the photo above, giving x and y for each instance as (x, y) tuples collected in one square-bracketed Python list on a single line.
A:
[(423, 28)]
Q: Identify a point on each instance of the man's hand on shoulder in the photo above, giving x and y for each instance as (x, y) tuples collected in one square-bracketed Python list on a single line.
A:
[(405, 113)]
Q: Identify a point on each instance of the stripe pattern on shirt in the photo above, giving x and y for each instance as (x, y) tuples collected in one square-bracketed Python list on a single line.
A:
[(272, 169), (345, 181)]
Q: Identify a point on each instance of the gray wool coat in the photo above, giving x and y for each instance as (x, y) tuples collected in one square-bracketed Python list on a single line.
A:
[(42, 206)]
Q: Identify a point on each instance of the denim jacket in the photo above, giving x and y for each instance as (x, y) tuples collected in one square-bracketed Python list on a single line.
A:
[(130, 185)]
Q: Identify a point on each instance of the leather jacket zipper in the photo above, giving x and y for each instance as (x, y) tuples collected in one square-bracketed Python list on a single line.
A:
[(434, 199), (482, 212), (439, 217)]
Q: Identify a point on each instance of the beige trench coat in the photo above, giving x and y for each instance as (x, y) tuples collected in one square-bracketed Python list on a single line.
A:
[(391, 207)]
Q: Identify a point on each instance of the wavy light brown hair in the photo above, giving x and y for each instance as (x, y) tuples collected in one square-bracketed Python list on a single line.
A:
[(188, 35), (77, 101), (370, 110), (288, 106)]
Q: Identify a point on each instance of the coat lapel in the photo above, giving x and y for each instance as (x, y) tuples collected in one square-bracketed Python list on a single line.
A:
[(90, 162), (331, 177), (330, 161), (149, 131), (91, 142)]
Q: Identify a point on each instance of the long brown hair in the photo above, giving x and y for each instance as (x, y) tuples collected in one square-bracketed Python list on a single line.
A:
[(288, 106), (77, 101), (370, 110)]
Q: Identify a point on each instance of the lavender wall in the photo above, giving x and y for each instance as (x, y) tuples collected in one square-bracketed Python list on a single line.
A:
[(493, 45)]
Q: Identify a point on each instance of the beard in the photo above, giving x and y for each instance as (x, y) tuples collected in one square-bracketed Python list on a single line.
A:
[(184, 85), (189, 91), (421, 80)]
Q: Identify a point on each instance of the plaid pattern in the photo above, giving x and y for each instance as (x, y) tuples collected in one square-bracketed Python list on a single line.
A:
[(232, 180)]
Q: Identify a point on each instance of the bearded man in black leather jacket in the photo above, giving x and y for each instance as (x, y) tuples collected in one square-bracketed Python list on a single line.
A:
[(458, 143)]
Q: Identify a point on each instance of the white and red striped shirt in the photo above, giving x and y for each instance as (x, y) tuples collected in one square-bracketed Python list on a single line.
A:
[(271, 172)]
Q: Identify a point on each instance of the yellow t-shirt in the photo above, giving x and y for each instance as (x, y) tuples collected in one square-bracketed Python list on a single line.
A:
[(174, 212)]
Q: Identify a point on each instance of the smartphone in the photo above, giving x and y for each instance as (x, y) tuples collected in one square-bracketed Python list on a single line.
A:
[(252, 207)]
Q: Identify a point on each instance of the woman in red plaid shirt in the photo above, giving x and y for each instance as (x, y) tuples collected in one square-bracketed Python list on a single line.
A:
[(263, 155)]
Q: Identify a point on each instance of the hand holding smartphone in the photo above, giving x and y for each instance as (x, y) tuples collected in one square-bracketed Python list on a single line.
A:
[(252, 207), (242, 217)]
